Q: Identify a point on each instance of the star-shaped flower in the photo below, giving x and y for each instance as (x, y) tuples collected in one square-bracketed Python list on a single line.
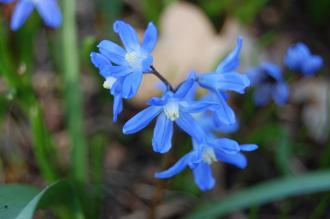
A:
[(205, 153), (130, 62), (171, 108)]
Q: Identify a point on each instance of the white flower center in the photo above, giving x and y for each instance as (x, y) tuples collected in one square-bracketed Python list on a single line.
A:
[(208, 155), (171, 110), (134, 59), (109, 82)]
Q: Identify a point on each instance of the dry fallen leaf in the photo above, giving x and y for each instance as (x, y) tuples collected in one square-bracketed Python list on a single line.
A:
[(187, 41), (314, 93)]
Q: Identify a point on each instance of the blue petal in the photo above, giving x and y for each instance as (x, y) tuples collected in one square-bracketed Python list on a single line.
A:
[(50, 12), (116, 71), (141, 120), (248, 147), (238, 159), (225, 128), (131, 84), (312, 65), (99, 60), (111, 47), (162, 139), (116, 89), (6, 1), (21, 12), (146, 64), (156, 101), (224, 113), (225, 81), (191, 95), (113, 52), (280, 93), (203, 176), (198, 106), (187, 123), (296, 55), (184, 88), (105, 71), (231, 62), (233, 81), (272, 70), (256, 75), (127, 35), (226, 145), (150, 38), (262, 95), (117, 107), (175, 169)]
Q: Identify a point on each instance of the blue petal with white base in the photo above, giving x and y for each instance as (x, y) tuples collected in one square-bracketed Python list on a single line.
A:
[(172, 108), (131, 61), (199, 160)]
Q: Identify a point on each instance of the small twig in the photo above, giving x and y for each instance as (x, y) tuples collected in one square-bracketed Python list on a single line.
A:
[(161, 77)]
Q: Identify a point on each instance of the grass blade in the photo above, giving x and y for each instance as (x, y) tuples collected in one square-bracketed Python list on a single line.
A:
[(72, 91), (265, 192)]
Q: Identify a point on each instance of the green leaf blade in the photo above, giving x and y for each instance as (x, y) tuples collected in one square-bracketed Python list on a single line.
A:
[(13, 199), (264, 193), (21, 201)]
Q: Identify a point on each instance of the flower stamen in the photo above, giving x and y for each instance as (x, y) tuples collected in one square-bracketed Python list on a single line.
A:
[(208, 155), (109, 82), (171, 110)]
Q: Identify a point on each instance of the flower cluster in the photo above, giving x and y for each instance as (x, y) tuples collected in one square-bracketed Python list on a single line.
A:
[(267, 78), (48, 10), (269, 83), (123, 69), (300, 59)]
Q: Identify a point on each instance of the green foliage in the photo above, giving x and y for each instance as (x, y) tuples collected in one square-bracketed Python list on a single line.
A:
[(109, 11), (152, 8), (264, 193), (246, 10), (319, 10), (14, 199), (72, 92), (21, 201)]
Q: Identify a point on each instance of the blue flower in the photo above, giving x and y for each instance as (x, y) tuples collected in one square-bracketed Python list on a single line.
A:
[(269, 84), (130, 62), (210, 120), (199, 160), (112, 83), (48, 10), (225, 78), (171, 108), (299, 58)]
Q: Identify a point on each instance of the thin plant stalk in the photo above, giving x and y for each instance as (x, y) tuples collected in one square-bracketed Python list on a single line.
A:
[(72, 91)]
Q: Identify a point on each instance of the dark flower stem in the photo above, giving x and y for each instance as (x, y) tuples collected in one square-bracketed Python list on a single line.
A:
[(161, 77)]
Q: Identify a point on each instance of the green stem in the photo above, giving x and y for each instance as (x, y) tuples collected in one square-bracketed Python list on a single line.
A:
[(73, 92), (41, 140)]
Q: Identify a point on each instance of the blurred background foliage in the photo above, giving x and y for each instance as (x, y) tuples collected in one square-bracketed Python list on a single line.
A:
[(56, 119)]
